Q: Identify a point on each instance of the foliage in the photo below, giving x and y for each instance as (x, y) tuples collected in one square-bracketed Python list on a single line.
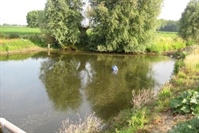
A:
[(123, 26), (165, 93), (189, 22), (186, 102), (178, 64), (137, 121), (62, 19), (191, 62), (165, 43), (169, 26), (32, 18), (92, 124), (191, 126)]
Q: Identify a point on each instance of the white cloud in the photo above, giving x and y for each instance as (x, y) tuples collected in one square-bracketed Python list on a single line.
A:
[(15, 11), (172, 9)]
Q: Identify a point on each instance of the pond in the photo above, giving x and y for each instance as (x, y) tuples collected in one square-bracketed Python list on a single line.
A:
[(39, 91)]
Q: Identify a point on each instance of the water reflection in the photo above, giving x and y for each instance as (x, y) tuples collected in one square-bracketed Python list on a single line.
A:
[(72, 80), (44, 90), (58, 76)]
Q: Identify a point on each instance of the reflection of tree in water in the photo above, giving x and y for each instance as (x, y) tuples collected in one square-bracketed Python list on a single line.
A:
[(111, 93), (108, 93), (58, 76)]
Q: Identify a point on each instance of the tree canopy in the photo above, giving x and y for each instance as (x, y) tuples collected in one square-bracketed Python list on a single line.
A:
[(116, 26), (62, 19), (124, 26), (32, 18), (189, 22)]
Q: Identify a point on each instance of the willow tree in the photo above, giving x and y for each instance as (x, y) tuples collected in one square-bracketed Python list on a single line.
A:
[(32, 18), (189, 22), (124, 26), (62, 19)]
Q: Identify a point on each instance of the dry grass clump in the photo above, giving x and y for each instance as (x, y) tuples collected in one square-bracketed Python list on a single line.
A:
[(141, 97), (192, 61), (92, 124)]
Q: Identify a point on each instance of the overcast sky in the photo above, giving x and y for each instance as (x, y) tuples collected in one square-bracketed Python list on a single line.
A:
[(15, 11)]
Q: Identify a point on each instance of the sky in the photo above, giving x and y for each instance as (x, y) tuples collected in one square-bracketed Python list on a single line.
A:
[(15, 11)]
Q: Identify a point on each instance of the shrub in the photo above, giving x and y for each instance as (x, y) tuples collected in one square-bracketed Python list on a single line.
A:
[(137, 121), (191, 126), (164, 93), (140, 98), (178, 65), (92, 124), (186, 102)]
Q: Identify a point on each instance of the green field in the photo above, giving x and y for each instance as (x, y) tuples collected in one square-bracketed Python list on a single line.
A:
[(21, 30), (167, 34)]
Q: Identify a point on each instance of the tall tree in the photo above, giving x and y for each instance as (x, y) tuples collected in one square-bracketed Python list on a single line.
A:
[(32, 18), (124, 26), (62, 21), (189, 22)]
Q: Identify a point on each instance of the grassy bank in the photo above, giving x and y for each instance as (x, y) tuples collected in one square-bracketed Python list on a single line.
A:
[(166, 41), (13, 39), (178, 101), (9, 46)]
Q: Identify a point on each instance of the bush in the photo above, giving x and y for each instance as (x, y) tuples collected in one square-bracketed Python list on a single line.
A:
[(178, 65), (137, 121), (91, 125), (191, 126), (186, 102)]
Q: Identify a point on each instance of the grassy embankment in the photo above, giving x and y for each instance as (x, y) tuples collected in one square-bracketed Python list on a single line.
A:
[(177, 101), (20, 39), (159, 115)]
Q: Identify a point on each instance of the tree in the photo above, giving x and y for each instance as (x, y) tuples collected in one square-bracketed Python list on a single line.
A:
[(169, 25), (124, 26), (189, 22), (32, 18), (62, 20)]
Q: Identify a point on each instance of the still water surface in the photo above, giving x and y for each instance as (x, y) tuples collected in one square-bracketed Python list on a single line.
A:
[(37, 93)]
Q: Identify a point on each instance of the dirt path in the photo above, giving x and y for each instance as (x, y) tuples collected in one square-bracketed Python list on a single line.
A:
[(166, 121)]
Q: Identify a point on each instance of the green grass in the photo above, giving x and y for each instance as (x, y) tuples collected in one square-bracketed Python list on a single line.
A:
[(166, 41), (22, 30), (15, 44), (167, 34)]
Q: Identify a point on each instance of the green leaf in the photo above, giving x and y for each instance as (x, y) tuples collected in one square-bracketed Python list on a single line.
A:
[(174, 103)]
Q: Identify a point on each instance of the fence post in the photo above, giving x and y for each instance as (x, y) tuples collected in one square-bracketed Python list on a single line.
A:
[(9, 126)]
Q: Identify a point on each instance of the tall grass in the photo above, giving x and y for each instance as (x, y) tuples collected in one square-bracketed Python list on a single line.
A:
[(166, 42), (14, 44), (192, 62)]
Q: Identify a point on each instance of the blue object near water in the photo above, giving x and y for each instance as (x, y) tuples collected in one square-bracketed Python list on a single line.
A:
[(114, 68)]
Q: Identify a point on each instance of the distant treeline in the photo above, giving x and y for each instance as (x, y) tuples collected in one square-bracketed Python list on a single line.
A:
[(168, 25)]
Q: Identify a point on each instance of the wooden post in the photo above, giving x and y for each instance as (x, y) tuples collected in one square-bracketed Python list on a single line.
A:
[(49, 49), (48, 46), (9, 126)]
